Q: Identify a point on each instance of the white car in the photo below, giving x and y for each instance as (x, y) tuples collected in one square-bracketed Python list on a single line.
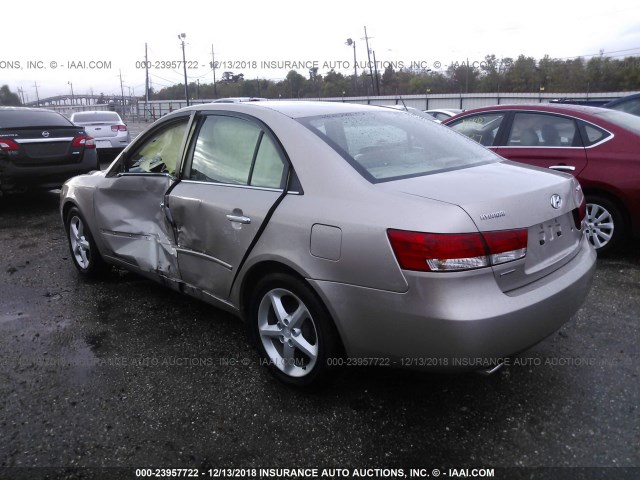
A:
[(412, 110), (442, 114), (107, 128)]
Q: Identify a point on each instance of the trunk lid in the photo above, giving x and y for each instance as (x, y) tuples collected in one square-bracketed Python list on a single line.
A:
[(511, 196), (44, 145), (99, 129)]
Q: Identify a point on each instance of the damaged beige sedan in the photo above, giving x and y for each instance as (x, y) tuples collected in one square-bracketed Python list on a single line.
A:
[(339, 232)]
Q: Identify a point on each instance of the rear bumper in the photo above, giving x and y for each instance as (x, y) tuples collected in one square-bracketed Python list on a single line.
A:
[(14, 177), (112, 143), (452, 321)]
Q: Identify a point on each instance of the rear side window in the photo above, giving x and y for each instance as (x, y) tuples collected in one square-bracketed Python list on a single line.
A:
[(542, 130), (32, 118), (224, 150), (594, 134), (235, 151), (384, 146), (269, 168)]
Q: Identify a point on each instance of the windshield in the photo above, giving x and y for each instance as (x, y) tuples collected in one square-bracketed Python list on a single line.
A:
[(625, 120), (384, 146)]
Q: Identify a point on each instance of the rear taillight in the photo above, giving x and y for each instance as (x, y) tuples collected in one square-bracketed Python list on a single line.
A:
[(506, 245), (8, 145), (435, 252), (86, 142), (580, 213), (115, 128)]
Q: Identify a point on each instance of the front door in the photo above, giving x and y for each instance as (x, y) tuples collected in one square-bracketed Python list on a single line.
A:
[(131, 215)]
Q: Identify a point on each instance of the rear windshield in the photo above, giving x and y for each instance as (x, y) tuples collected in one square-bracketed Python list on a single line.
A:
[(384, 146), (32, 118), (96, 117), (625, 120)]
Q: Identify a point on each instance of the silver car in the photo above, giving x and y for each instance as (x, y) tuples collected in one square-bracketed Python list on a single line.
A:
[(107, 128), (342, 234)]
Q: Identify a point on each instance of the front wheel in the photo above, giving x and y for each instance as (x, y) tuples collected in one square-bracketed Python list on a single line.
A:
[(604, 224), (84, 252), (293, 331)]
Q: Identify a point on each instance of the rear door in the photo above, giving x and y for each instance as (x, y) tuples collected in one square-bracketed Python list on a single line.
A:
[(234, 176), (544, 140)]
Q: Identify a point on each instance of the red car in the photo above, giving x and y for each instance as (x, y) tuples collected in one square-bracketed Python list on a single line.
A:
[(601, 147)]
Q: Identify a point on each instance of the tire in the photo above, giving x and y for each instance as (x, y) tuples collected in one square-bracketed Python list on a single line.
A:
[(293, 332), (84, 253), (605, 227)]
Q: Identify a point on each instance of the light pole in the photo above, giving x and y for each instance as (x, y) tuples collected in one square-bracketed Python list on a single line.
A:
[(213, 67), (181, 37), (355, 66), (73, 100)]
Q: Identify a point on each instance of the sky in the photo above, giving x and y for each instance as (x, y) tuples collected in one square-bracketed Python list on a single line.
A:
[(89, 47)]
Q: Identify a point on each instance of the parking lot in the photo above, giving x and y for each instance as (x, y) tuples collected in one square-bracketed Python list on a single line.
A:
[(125, 373)]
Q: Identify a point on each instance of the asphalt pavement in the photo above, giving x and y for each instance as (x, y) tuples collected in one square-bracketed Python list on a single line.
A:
[(124, 373)]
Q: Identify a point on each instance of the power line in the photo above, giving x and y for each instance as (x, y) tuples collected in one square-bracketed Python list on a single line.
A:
[(598, 54)]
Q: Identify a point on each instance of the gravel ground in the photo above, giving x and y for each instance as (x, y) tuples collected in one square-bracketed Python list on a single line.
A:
[(125, 373)]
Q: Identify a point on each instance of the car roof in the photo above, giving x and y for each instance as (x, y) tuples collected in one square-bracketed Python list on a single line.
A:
[(292, 109), (576, 110), (27, 109), (618, 101), (238, 99), (95, 111), (551, 107)]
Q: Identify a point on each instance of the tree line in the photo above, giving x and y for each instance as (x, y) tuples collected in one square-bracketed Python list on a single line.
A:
[(492, 75), (501, 75)]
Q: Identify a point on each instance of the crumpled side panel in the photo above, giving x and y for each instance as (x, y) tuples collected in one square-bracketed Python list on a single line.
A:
[(132, 223)]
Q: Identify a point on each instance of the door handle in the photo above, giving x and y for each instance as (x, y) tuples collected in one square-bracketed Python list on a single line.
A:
[(563, 168), (239, 219)]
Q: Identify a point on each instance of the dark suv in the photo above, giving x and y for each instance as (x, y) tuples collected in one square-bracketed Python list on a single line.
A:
[(629, 104), (41, 149)]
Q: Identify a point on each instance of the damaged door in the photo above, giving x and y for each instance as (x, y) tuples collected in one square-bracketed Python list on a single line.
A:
[(130, 210), (232, 181)]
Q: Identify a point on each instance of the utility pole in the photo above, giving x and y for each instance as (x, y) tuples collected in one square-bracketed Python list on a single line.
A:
[(122, 93), (21, 94), (366, 38), (213, 66), (73, 100), (146, 78), (375, 66), (355, 66), (37, 96), (182, 36)]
